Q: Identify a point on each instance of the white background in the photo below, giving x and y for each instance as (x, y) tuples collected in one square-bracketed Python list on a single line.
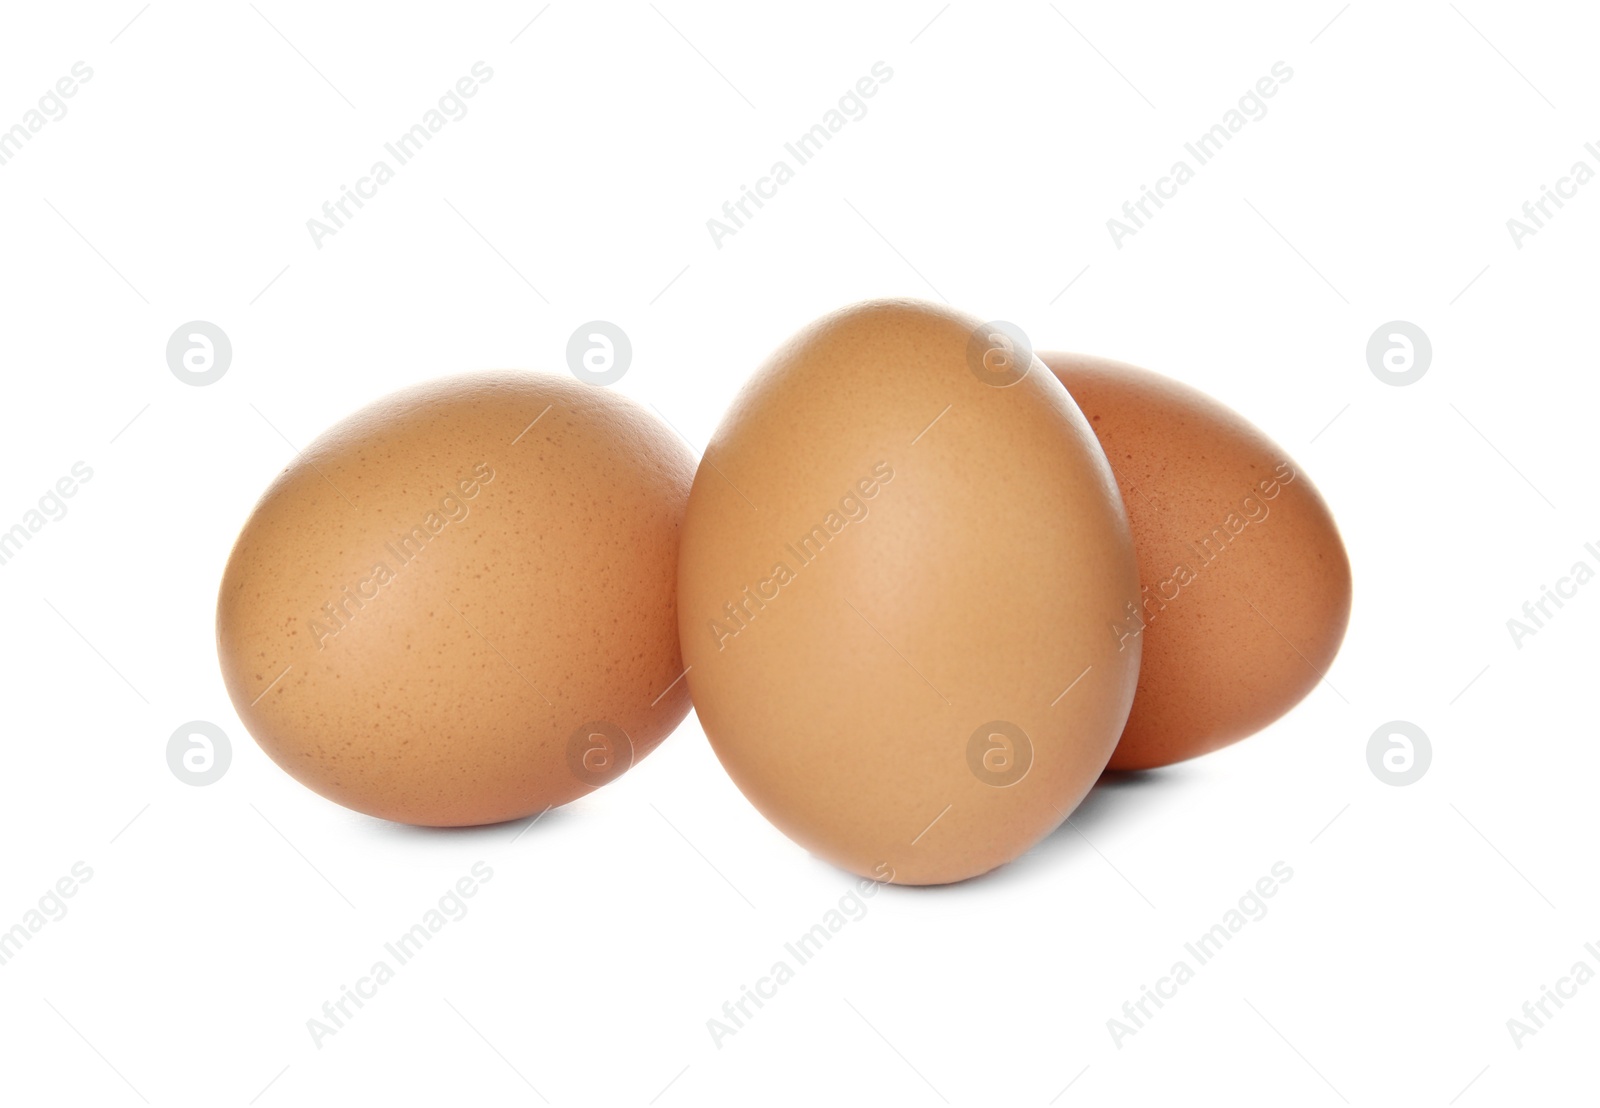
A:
[(219, 919)]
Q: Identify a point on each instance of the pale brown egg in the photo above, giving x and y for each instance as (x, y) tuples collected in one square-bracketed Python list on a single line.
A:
[(899, 567), (1245, 581), (457, 605)]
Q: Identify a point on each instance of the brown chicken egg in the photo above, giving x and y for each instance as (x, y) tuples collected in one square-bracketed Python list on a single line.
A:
[(457, 605), (900, 560), (1245, 582)]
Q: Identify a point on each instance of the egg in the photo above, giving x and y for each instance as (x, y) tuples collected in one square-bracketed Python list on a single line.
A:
[(457, 606), (1245, 582), (900, 561)]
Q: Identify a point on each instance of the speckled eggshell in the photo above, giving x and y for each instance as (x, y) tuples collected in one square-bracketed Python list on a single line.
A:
[(457, 606), (894, 588), (1245, 581)]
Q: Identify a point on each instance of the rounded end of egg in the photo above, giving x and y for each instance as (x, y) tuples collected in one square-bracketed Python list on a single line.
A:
[(1245, 584)]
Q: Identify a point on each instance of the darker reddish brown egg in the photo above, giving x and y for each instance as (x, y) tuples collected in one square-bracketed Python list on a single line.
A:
[(1245, 585)]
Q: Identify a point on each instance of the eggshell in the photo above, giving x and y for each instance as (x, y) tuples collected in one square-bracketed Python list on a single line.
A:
[(1245, 581), (457, 605), (895, 586)]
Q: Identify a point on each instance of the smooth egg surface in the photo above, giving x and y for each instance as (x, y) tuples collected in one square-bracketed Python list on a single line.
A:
[(899, 572)]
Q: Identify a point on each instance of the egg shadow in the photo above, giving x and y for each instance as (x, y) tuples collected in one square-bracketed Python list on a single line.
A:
[(1117, 797), (503, 833)]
